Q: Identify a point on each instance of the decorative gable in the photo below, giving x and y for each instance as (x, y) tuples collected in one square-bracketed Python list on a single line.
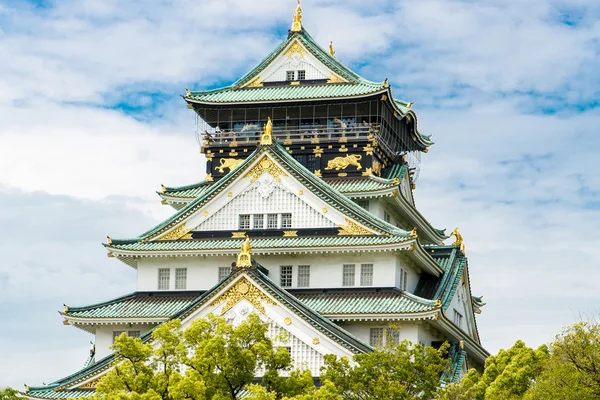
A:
[(294, 58)]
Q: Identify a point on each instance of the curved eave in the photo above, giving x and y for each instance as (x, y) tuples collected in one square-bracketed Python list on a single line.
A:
[(405, 316), (473, 348), (423, 259), (377, 90), (73, 320)]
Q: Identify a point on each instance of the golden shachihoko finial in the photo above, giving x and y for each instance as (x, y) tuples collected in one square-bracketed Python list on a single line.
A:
[(459, 240), (244, 260), (297, 19), (267, 137), (331, 50)]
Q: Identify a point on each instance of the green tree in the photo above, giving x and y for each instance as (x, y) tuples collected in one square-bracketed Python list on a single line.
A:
[(506, 376), (9, 394), (209, 360), (573, 369), (403, 372)]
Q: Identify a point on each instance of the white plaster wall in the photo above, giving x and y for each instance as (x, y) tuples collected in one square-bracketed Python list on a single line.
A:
[(362, 330), (325, 269), (104, 336)]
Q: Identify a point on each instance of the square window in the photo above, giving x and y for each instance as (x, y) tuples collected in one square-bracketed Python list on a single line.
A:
[(303, 275), (301, 75), (376, 337), (366, 275), (133, 334), (272, 221), (286, 221), (258, 221), (164, 275), (244, 222), (392, 336), (285, 275), (116, 334), (180, 278), (348, 275), (289, 75), (224, 272)]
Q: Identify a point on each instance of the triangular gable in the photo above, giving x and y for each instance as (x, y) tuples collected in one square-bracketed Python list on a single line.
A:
[(275, 161), (246, 293), (304, 45), (294, 57)]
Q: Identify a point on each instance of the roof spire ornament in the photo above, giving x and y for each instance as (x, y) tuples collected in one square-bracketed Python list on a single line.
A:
[(459, 240), (267, 138), (297, 19), (244, 260), (331, 50)]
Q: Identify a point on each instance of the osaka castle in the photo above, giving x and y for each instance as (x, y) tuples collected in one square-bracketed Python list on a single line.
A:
[(305, 215)]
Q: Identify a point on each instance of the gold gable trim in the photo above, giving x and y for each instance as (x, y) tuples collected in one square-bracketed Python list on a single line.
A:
[(352, 228), (243, 289), (265, 166), (177, 233)]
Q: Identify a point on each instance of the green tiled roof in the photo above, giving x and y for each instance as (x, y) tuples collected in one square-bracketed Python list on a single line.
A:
[(189, 191), (259, 243), (135, 305), (48, 392), (288, 92), (458, 357), (385, 302), (315, 184)]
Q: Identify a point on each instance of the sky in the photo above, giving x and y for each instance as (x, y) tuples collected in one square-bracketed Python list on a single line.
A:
[(92, 122)]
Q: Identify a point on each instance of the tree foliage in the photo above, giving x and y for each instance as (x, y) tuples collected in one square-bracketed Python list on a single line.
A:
[(506, 376), (402, 372), (8, 394)]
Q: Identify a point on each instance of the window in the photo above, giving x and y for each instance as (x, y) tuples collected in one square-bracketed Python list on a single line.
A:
[(244, 222), (133, 334), (272, 221), (348, 275), (163, 278), (289, 75), (258, 221), (457, 318), (286, 221), (180, 278), (364, 204), (392, 335), (285, 275), (366, 275), (301, 75), (403, 279), (311, 162), (386, 217), (116, 334), (224, 272), (303, 275), (376, 337)]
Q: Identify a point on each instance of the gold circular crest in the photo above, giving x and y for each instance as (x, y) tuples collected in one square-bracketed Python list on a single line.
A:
[(316, 340), (287, 321), (243, 288)]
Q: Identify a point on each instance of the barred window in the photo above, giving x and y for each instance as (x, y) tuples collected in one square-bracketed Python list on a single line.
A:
[(116, 334), (392, 335), (258, 221), (164, 274), (285, 275), (303, 275), (134, 334), (376, 337), (224, 272), (403, 279), (366, 275), (244, 222), (286, 221), (457, 318), (386, 217), (272, 221), (289, 75), (180, 278), (301, 75), (348, 275)]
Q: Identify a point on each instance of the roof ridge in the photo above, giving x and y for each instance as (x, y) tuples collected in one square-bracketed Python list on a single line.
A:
[(101, 304)]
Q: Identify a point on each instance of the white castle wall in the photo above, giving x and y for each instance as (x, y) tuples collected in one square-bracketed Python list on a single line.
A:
[(104, 336), (325, 269)]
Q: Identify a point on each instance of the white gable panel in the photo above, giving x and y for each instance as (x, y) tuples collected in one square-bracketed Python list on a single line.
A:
[(295, 63), (266, 196)]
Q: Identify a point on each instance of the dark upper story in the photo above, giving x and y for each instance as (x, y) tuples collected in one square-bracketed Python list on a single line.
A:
[(320, 110)]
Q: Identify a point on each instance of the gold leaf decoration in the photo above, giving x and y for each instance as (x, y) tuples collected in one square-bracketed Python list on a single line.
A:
[(256, 83), (243, 290), (296, 47), (176, 233), (352, 228), (265, 166), (333, 78)]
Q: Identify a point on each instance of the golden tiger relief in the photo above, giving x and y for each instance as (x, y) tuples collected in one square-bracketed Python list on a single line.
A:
[(339, 163)]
